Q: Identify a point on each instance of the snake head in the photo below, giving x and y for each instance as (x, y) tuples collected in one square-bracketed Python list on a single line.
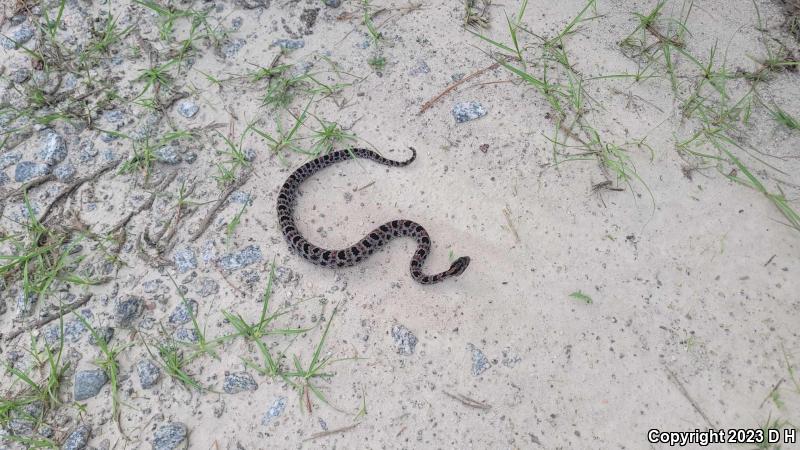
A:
[(459, 266)]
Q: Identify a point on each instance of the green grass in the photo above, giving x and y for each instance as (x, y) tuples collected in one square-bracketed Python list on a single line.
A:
[(304, 377), (40, 257), (108, 362), (25, 392), (580, 296)]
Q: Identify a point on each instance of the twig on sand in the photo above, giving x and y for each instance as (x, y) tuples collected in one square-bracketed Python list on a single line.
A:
[(466, 401), (507, 213), (214, 209), (456, 84), (16, 193), (771, 391), (45, 320), (364, 187), (682, 388), (72, 187), (328, 433)]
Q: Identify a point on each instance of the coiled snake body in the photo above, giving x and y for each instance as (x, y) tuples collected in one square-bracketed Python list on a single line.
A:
[(374, 240)]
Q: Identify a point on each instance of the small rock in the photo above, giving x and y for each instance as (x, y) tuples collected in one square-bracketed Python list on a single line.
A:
[(20, 75), (10, 158), (284, 275), (171, 436), (183, 312), (152, 286), (233, 261), (420, 69), (404, 339), (26, 302), (65, 172), (186, 335), (236, 23), (274, 411), (232, 48), (114, 116), (333, 3), (27, 170), (73, 330), (466, 111), (148, 372), (185, 259), (104, 334), (78, 439), (251, 277), (4, 178), (239, 382), (188, 108), (54, 149), (127, 310), (88, 384), (206, 287), (479, 361), (45, 430), (241, 197), (24, 419), (87, 151), (18, 37), (168, 155), (289, 44)]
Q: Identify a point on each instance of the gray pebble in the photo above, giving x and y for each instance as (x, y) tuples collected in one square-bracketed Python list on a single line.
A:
[(232, 48), (26, 303), (185, 260), (236, 23), (274, 411), (188, 108), (109, 155), (333, 3), (87, 151), (183, 312), (148, 372), (78, 439), (125, 311), (289, 44), (9, 158), (420, 69), (88, 384), (65, 172), (104, 334), (206, 287), (404, 339), (168, 155), (239, 382), (73, 330), (186, 335), (479, 361), (171, 436), (114, 116), (20, 75), (233, 261), (466, 111), (152, 286), (241, 197), (23, 419), (27, 170), (18, 37), (4, 178), (54, 149)]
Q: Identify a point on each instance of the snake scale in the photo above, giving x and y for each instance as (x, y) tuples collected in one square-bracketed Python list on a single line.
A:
[(374, 240)]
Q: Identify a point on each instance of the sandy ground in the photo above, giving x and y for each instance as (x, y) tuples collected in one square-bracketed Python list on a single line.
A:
[(694, 310)]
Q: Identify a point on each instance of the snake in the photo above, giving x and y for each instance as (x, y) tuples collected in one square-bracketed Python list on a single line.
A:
[(374, 240)]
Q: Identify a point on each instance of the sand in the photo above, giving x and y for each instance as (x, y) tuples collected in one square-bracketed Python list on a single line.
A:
[(587, 317)]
